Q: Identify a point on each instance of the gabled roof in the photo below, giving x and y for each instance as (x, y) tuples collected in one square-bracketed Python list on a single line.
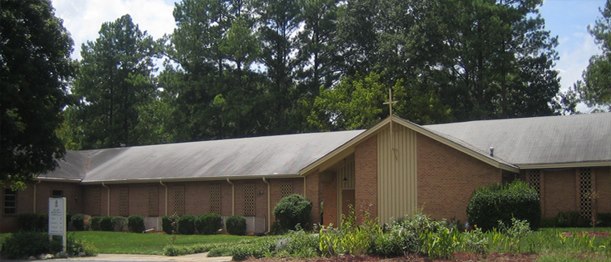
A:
[(539, 142), (269, 156)]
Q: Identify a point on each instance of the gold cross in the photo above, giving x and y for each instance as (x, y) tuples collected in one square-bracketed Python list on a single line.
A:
[(390, 103)]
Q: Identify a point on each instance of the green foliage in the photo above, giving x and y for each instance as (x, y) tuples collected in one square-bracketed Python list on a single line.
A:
[(491, 204), (209, 223), (186, 225), (79, 248), (169, 224), (440, 242), (119, 223), (35, 71), (95, 223), (293, 210), (106, 223), (236, 225), (25, 244), (351, 238), (571, 219), (594, 89), (77, 222), (475, 241), (604, 219), (113, 83), (135, 224), (32, 222), (297, 244)]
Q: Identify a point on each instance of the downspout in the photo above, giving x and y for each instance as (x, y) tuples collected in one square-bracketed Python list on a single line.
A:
[(232, 196), (107, 199), (166, 197), (269, 208), (34, 200)]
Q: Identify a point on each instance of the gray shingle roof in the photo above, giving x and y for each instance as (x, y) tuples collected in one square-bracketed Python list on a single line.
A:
[(537, 140), (270, 156)]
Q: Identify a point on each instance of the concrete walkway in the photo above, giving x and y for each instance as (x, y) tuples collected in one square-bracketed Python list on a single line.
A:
[(124, 258)]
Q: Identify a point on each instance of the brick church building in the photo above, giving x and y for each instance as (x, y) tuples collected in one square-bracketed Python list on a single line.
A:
[(393, 169)]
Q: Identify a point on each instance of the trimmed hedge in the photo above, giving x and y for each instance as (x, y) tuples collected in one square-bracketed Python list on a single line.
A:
[(135, 224), (106, 223), (77, 221), (186, 225), (168, 224), (32, 222), (119, 223), (517, 200), (209, 223), (236, 225), (95, 223), (293, 210), (25, 244)]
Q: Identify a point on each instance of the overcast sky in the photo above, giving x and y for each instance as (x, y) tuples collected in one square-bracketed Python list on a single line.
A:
[(568, 19)]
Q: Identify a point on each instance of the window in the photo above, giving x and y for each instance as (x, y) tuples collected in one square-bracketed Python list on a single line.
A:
[(249, 200), (215, 198), (57, 193), (10, 201)]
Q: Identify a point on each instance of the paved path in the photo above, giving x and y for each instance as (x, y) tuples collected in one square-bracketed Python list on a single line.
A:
[(124, 258)]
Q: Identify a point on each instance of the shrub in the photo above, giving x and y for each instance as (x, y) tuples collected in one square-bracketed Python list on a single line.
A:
[(106, 223), (293, 210), (168, 224), (209, 223), (95, 223), (298, 244), (32, 222), (604, 219), (77, 222), (119, 223), (135, 224), (186, 225), (571, 219), (491, 204), (25, 244), (236, 225), (351, 238), (79, 248)]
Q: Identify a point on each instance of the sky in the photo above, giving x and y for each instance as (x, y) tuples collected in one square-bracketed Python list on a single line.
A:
[(567, 19)]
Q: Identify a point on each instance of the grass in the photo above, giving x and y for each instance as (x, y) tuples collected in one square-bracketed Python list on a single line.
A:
[(149, 244)]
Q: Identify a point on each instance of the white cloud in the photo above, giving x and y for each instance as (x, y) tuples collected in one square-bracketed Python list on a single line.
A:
[(83, 18)]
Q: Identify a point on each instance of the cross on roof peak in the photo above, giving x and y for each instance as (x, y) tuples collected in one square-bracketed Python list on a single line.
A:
[(390, 102)]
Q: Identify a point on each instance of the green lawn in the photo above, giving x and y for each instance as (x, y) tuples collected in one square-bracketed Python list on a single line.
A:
[(150, 243)]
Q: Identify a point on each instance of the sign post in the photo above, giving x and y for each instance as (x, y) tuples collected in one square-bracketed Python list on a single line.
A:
[(57, 219)]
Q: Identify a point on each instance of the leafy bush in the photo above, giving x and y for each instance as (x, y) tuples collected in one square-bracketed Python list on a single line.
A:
[(25, 244), (209, 223), (106, 223), (351, 238), (95, 223), (474, 241), (236, 225), (32, 222), (77, 222), (571, 219), (604, 219), (135, 224), (293, 210), (168, 224), (491, 204), (298, 244), (119, 223), (186, 225), (79, 248)]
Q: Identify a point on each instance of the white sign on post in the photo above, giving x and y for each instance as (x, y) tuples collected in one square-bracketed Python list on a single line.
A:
[(57, 218)]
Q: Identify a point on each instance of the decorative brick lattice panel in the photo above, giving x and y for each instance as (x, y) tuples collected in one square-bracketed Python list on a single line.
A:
[(10, 201), (153, 200), (249, 199), (124, 202), (533, 178), (585, 192), (286, 189), (215, 199), (178, 205)]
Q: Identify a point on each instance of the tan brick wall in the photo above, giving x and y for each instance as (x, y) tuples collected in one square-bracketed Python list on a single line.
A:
[(366, 173), (560, 192), (447, 179), (603, 188), (197, 198), (328, 194), (314, 195)]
